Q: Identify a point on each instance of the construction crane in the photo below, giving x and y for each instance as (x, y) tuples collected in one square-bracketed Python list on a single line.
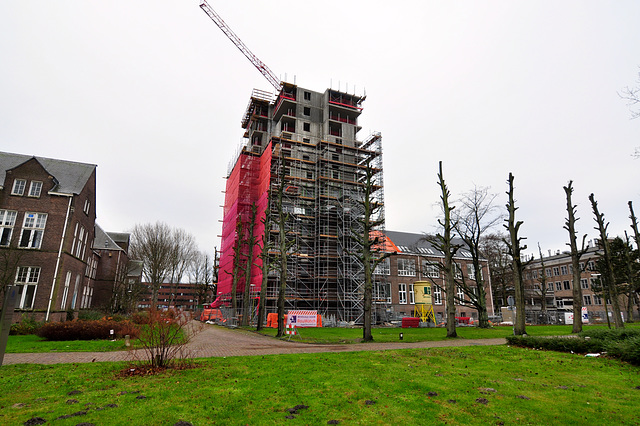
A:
[(261, 66)]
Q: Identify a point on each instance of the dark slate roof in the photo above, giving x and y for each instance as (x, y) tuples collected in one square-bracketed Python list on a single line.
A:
[(410, 243), (102, 241), (70, 176)]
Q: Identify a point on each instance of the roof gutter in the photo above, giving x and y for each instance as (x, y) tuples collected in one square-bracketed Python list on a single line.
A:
[(55, 273)]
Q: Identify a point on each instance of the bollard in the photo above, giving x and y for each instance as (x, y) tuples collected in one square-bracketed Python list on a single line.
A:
[(127, 340)]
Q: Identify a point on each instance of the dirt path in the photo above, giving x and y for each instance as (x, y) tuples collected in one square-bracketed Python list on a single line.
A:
[(215, 341)]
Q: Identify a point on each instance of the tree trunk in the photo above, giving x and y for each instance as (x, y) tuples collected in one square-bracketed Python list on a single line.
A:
[(516, 262)]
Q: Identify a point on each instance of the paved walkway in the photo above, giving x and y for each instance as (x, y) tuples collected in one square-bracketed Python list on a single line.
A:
[(215, 341)]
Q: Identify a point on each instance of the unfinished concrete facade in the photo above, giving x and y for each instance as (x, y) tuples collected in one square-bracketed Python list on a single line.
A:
[(306, 143)]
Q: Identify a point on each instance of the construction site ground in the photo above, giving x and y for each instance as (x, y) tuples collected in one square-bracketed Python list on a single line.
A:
[(215, 341)]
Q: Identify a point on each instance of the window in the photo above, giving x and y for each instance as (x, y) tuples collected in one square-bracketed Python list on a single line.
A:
[(65, 292), (563, 270), (591, 266), (535, 274), (309, 175), (584, 283), (458, 269), (412, 295), (556, 271), (307, 96), (35, 189), (27, 283), (406, 268), (18, 187), (306, 111), (587, 299), (550, 287), (566, 285), (437, 295), (7, 221), (548, 271), (459, 294), (75, 292), (559, 286), (383, 268), (402, 294), (307, 140), (335, 174), (87, 204), (597, 300), (430, 270), (471, 272), (306, 127), (32, 230)]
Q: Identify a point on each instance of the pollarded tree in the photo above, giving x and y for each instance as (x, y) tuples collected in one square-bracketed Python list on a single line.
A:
[(515, 250), (444, 242), (475, 217), (576, 254), (266, 267), (542, 279), (609, 278), (367, 239), (251, 243)]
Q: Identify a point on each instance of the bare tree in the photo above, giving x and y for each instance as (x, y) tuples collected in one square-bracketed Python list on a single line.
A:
[(444, 242), (251, 243), (515, 249), (475, 217), (632, 96), (284, 244), (495, 250), (127, 291), (608, 267), (576, 254), (153, 244), (266, 246), (368, 240), (201, 275), (183, 252), (542, 279), (9, 261)]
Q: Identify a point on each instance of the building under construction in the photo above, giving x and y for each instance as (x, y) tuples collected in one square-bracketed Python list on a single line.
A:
[(306, 144)]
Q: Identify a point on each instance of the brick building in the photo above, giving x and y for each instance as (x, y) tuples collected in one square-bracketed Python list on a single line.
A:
[(417, 260), (558, 295), (48, 228)]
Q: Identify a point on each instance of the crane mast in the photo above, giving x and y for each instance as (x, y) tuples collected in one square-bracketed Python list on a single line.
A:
[(261, 66)]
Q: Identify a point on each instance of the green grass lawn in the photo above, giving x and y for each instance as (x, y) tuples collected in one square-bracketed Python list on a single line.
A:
[(471, 385), (33, 343), (354, 335)]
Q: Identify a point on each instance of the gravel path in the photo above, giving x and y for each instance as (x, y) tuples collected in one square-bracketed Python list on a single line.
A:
[(215, 341)]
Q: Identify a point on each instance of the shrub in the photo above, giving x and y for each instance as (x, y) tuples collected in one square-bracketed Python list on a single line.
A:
[(165, 337), (87, 330), (140, 318), (559, 344), (90, 315), (27, 325), (617, 334), (627, 350)]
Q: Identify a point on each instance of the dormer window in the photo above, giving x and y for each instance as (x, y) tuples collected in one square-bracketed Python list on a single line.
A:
[(35, 189), (19, 186)]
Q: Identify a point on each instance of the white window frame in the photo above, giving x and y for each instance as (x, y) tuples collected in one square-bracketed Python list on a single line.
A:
[(27, 278), (436, 295), (471, 272), (587, 299), (550, 286), (584, 283), (19, 186), (556, 271), (430, 269), (558, 286), (402, 294), (33, 227), (412, 295), (563, 270), (75, 292), (65, 292), (7, 222), (566, 284), (459, 294), (35, 189), (383, 268), (597, 300), (406, 267), (458, 271)]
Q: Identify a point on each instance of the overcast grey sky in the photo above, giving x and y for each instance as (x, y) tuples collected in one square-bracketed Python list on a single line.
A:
[(153, 93)]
